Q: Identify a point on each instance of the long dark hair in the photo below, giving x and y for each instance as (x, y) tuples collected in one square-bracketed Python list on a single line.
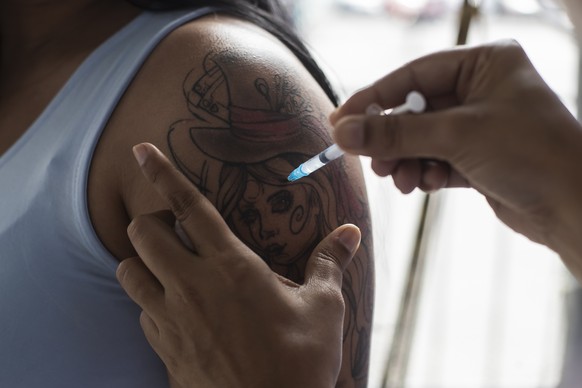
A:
[(271, 15)]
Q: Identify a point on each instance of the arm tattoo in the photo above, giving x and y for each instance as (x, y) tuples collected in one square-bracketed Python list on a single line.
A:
[(248, 153)]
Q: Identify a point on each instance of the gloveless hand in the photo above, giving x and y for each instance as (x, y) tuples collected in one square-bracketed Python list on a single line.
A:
[(493, 124), (217, 315)]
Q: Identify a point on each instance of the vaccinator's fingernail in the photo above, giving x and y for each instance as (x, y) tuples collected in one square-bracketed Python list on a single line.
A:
[(374, 110)]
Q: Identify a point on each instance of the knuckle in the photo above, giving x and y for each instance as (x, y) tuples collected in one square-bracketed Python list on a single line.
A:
[(329, 262), (236, 271), (328, 256), (140, 292), (156, 169), (334, 300), (507, 53), (152, 171), (188, 295), (184, 203), (130, 280), (510, 45)]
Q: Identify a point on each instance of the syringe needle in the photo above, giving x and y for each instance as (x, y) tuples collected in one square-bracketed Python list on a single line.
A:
[(415, 103)]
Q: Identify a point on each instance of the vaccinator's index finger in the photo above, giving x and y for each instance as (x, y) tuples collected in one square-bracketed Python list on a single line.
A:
[(199, 219), (434, 75)]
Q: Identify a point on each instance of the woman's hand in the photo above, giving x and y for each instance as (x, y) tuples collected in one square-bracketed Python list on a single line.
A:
[(216, 314), (493, 124)]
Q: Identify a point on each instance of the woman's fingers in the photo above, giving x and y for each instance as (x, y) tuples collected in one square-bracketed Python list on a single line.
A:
[(199, 219), (153, 238), (140, 284)]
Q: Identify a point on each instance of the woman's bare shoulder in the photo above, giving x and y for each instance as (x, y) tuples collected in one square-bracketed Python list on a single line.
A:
[(236, 112), (210, 77)]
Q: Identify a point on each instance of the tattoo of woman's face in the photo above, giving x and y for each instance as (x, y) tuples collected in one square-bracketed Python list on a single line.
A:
[(275, 221), (243, 138)]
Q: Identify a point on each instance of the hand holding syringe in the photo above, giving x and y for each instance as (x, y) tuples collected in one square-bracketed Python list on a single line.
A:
[(415, 103)]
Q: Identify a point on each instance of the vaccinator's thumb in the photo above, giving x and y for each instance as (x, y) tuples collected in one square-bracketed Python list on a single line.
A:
[(332, 256)]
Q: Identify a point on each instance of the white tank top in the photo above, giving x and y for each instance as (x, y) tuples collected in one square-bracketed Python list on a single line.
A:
[(64, 319)]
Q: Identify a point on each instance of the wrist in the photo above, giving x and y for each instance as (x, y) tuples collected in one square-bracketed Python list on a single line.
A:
[(564, 187), (567, 239), (566, 236)]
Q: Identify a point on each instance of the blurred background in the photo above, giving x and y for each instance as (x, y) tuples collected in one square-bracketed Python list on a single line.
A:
[(492, 308)]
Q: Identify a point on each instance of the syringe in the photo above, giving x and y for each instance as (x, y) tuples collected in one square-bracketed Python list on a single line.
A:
[(415, 103)]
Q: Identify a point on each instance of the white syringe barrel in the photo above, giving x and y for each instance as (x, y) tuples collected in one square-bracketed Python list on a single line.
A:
[(331, 153)]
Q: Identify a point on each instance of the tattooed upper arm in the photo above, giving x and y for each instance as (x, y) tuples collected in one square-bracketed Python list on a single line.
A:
[(248, 117)]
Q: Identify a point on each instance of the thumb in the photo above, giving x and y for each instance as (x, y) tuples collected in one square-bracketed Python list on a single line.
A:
[(390, 137), (331, 257)]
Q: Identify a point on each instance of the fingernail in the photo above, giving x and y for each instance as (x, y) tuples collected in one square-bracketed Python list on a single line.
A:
[(350, 238), (140, 153), (374, 110), (350, 133)]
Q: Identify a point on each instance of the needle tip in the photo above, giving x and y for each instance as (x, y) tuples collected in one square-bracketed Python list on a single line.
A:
[(296, 174)]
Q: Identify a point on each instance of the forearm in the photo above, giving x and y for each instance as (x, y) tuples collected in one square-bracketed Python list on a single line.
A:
[(565, 224), (567, 239)]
